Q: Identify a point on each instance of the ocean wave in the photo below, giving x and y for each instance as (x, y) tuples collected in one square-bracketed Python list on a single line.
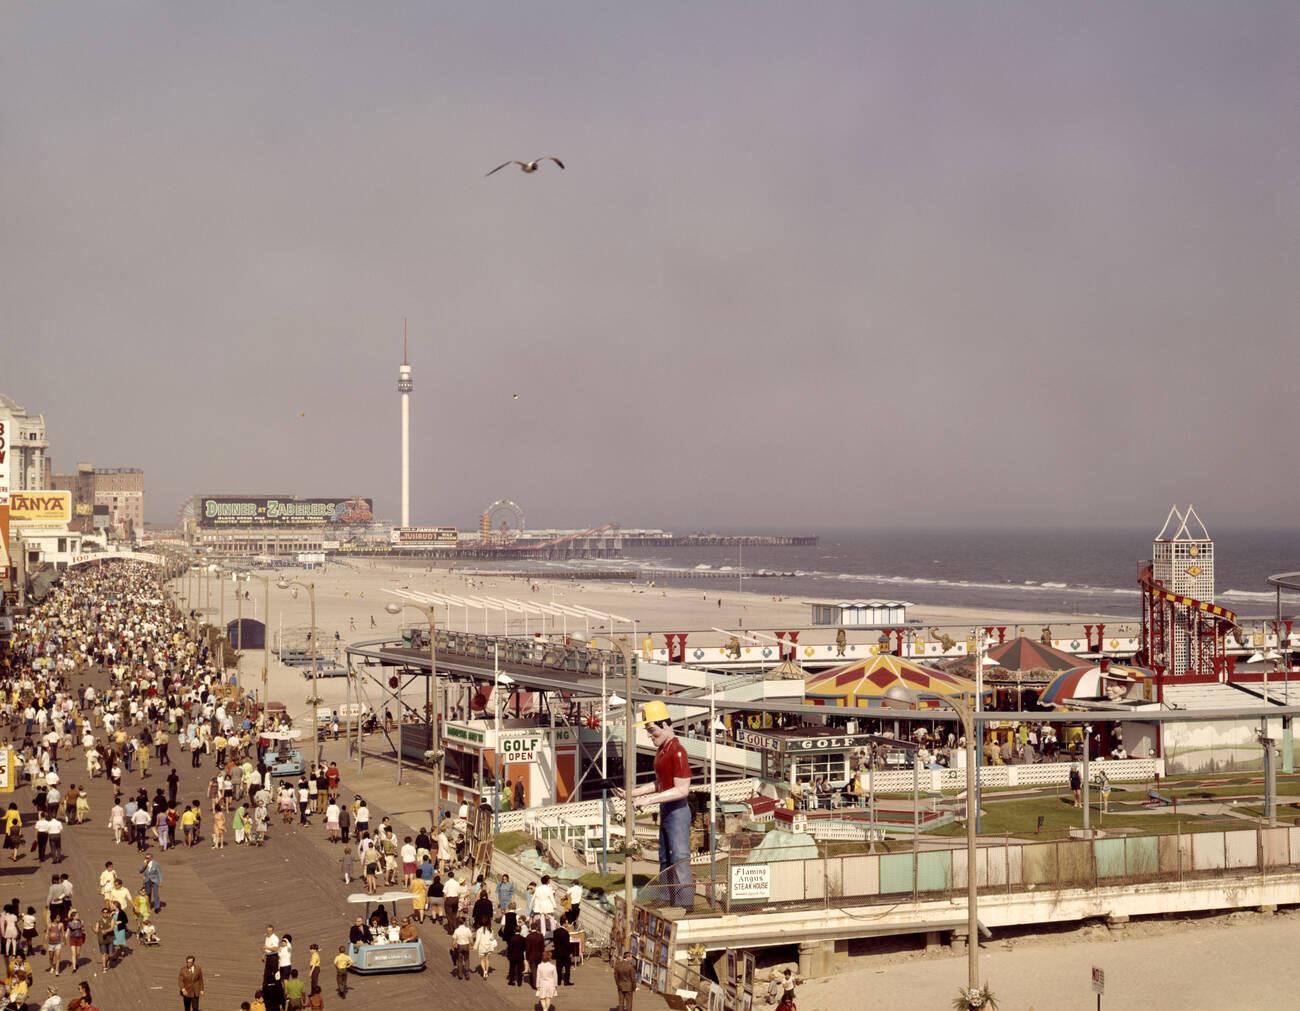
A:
[(1256, 594), (1027, 587)]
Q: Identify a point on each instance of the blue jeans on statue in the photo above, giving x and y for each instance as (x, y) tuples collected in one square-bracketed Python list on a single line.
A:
[(675, 853)]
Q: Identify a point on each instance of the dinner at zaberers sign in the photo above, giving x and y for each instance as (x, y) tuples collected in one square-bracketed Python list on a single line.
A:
[(518, 748)]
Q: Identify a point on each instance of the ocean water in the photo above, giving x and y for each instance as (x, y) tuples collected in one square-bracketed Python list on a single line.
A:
[(1086, 572)]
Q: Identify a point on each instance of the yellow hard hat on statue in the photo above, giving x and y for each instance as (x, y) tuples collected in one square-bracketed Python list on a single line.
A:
[(653, 712)]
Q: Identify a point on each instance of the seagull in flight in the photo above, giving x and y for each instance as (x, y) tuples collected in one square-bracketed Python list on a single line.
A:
[(527, 166)]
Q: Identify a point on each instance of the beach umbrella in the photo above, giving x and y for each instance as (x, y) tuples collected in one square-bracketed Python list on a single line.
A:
[(884, 679), (1096, 681)]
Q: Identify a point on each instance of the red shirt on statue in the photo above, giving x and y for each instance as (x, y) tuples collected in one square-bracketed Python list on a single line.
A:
[(671, 762)]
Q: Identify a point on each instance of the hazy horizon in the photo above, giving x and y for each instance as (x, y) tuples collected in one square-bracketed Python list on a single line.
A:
[(1002, 266)]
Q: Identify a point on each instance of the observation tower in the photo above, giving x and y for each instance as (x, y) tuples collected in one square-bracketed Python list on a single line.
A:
[(404, 386)]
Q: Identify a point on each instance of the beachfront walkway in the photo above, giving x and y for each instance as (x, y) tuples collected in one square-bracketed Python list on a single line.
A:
[(218, 902)]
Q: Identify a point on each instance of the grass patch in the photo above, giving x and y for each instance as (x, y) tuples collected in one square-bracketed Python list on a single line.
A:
[(610, 882), (1019, 818), (511, 843)]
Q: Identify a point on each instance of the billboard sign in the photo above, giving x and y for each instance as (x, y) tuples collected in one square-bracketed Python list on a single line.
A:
[(40, 508), (225, 512), (427, 536), (6, 437)]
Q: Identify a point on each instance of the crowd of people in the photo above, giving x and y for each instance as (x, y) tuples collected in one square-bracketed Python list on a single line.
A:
[(106, 675)]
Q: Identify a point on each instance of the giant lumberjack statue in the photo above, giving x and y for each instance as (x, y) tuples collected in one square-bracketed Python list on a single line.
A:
[(669, 790)]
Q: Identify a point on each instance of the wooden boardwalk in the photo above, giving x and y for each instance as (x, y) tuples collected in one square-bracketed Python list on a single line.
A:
[(217, 904)]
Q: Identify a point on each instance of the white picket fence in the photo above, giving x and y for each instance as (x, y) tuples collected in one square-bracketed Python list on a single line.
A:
[(1040, 774)]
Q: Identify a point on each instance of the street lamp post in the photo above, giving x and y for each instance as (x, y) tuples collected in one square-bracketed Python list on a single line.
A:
[(221, 589), (266, 634), (629, 782), (435, 730), (963, 712), (292, 585)]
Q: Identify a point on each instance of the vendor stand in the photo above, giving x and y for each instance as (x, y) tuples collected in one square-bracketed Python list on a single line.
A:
[(383, 955)]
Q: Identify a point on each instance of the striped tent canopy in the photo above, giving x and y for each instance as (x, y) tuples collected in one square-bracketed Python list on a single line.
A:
[(1097, 681), (882, 680), (1019, 654)]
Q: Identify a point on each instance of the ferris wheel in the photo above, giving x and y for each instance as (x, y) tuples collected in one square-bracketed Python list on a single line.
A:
[(186, 515), (502, 522)]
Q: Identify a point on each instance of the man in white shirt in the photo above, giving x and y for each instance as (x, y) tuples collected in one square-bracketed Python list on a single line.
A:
[(141, 822), (461, 938), (55, 830), (575, 903), (270, 943), (42, 835), (451, 900), (407, 857)]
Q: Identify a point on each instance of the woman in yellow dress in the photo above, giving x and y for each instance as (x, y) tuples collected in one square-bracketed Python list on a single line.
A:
[(13, 830), (419, 897)]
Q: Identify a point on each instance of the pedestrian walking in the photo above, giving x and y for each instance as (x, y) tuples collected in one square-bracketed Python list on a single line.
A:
[(151, 872), (515, 956), (534, 948), (546, 982), (190, 982), (342, 963), (563, 949), (625, 980), (76, 934), (462, 938), (484, 945)]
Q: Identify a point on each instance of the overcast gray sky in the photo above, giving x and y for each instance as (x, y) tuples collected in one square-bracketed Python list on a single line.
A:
[(810, 265)]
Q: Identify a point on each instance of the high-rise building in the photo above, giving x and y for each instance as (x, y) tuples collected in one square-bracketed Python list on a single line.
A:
[(23, 453), (110, 498)]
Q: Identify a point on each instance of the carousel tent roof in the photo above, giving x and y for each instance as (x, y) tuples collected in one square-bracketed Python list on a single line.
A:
[(787, 671), (1023, 653), (1088, 682), (1020, 654), (885, 677)]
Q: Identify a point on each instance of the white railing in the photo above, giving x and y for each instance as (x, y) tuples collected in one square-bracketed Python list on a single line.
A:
[(587, 812)]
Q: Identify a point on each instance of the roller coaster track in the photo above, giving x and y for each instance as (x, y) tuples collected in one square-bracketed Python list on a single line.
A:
[(1214, 611)]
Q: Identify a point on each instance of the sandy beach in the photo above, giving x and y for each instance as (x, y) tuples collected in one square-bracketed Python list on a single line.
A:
[(1158, 964), (351, 598)]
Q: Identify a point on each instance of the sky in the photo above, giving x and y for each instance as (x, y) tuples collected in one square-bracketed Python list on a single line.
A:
[(809, 266)]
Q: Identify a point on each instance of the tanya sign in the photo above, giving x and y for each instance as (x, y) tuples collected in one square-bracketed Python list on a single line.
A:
[(46, 508), (216, 511)]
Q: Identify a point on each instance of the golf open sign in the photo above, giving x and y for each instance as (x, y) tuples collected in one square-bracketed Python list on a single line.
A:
[(519, 748)]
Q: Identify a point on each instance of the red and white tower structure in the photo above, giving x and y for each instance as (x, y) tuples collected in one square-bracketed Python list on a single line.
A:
[(404, 386), (1182, 628)]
